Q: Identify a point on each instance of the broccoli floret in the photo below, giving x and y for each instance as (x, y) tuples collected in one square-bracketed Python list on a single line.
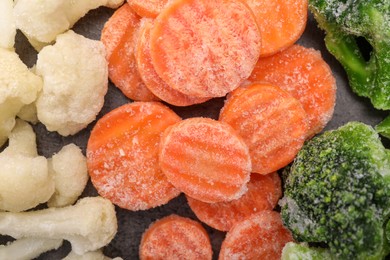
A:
[(346, 21), (302, 251), (337, 191)]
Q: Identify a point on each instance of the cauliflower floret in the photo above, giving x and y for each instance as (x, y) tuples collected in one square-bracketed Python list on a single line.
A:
[(28, 248), (41, 21), (18, 87), (93, 255), (88, 225), (22, 171), (69, 168), (7, 24), (75, 81)]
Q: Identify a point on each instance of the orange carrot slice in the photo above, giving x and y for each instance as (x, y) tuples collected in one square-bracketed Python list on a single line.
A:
[(151, 79), (122, 155), (306, 76), (261, 236), (175, 237), (264, 192), (148, 8), (281, 23), (205, 159), (119, 36), (205, 48), (272, 123)]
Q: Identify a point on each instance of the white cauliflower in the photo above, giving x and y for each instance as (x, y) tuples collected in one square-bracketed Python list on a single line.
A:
[(7, 24), (69, 168), (94, 255), (42, 20), (18, 87), (28, 248), (25, 179), (88, 225), (75, 81)]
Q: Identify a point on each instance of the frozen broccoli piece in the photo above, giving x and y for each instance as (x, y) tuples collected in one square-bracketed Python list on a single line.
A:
[(348, 22), (337, 191), (302, 251), (383, 128)]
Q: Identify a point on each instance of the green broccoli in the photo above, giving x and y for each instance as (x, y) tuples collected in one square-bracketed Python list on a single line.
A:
[(345, 23), (302, 251), (337, 191)]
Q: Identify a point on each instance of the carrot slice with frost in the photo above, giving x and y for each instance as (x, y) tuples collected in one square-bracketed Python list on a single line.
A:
[(281, 23), (175, 237), (148, 8), (205, 159), (272, 123), (205, 48), (151, 79), (119, 36), (122, 155), (306, 76), (261, 236), (264, 192)]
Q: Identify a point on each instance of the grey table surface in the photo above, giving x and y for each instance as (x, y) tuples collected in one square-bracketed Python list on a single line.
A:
[(131, 225)]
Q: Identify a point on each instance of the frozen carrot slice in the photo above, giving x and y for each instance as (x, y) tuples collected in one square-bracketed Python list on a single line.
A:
[(175, 237), (205, 48), (305, 75), (119, 36), (261, 236), (205, 159), (122, 155), (264, 192), (151, 79), (148, 8), (281, 23), (272, 123)]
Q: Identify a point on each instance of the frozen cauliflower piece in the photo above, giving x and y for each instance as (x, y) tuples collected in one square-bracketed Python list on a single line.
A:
[(25, 179), (88, 225), (28, 248), (18, 87), (75, 81), (7, 24), (94, 255), (42, 20), (69, 168)]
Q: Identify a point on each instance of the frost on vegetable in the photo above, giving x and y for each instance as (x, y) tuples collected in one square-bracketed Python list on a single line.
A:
[(88, 225), (345, 24), (337, 191), (302, 251), (7, 24), (69, 169), (28, 248), (75, 81), (41, 21), (18, 87), (25, 179)]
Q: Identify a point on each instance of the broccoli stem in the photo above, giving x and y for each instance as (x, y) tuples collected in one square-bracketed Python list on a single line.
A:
[(347, 52)]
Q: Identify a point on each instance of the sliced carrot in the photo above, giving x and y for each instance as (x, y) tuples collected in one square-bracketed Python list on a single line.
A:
[(119, 36), (272, 123), (205, 48), (175, 237), (151, 79), (205, 159), (305, 75), (148, 8), (261, 236), (122, 155), (281, 23), (264, 192)]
